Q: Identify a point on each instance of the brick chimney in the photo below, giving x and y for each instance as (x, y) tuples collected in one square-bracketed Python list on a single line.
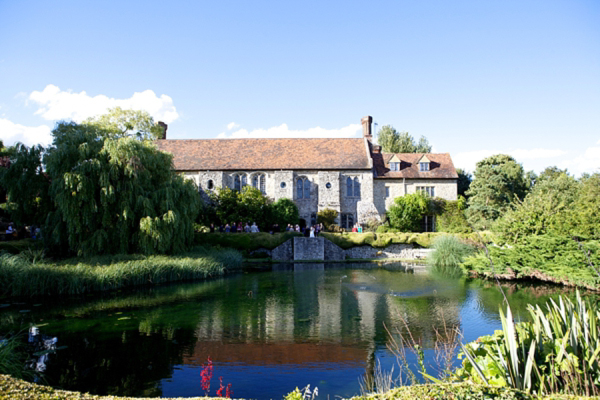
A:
[(366, 125), (164, 129)]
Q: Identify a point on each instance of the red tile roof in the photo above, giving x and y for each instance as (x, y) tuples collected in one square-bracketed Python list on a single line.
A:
[(267, 154), (440, 166)]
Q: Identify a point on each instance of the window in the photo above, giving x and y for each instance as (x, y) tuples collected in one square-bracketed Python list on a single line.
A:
[(352, 187), (313, 219), (239, 181), (424, 166), (429, 190), (347, 221), (258, 181), (394, 166), (387, 191), (428, 223), (210, 185), (303, 188), (282, 185), (328, 185)]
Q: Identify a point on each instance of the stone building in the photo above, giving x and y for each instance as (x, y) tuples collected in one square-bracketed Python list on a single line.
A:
[(351, 176)]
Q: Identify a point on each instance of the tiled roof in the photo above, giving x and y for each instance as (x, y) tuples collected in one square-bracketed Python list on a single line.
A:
[(440, 166), (266, 154)]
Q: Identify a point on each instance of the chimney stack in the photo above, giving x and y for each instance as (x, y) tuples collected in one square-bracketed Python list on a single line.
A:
[(366, 125), (164, 129)]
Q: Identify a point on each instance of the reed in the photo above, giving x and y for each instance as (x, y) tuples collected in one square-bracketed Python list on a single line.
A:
[(21, 277), (449, 251)]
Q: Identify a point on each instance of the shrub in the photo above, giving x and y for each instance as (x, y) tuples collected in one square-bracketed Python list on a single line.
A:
[(407, 211), (451, 216), (327, 217)]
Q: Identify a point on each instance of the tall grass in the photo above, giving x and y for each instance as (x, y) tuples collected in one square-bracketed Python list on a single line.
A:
[(449, 252), (20, 277), (12, 357)]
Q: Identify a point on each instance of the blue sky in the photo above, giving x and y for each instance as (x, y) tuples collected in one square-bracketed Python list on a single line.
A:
[(474, 77)]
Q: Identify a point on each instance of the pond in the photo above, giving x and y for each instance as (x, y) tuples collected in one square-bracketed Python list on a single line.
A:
[(266, 332)]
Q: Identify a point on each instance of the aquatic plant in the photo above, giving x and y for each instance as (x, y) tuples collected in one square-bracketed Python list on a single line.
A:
[(12, 357), (206, 375), (557, 352), (19, 277), (302, 394)]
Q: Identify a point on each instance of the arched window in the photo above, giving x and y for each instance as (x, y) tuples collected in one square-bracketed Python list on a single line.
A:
[(263, 184), (258, 181), (306, 189), (244, 180), (237, 183), (303, 188), (299, 186), (356, 188), (210, 185), (349, 187), (352, 187)]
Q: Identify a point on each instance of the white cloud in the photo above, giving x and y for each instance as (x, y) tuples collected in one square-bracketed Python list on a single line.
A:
[(282, 131), (55, 104), (467, 160), (232, 125), (588, 162), (29, 135)]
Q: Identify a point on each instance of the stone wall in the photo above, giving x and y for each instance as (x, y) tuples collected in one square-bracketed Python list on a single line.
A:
[(404, 251), (283, 252), (309, 248), (319, 248)]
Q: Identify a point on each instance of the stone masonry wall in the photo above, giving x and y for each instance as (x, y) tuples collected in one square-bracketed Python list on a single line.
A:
[(309, 248), (404, 251)]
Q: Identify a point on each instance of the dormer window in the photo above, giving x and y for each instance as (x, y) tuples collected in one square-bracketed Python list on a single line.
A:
[(423, 166), (394, 166)]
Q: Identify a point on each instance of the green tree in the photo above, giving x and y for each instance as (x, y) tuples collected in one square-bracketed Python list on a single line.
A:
[(122, 123), (26, 185), (285, 212), (392, 141), (583, 218), (327, 217), (499, 179), (247, 206), (115, 194), (407, 212), (464, 181), (542, 211)]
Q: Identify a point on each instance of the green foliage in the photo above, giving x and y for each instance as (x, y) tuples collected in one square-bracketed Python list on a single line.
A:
[(18, 246), (548, 257), (20, 277), (249, 206), (557, 352), (498, 180), (582, 218), (407, 211), (449, 251), (245, 241), (542, 211), (392, 141), (115, 194), (327, 217), (464, 182), (381, 240), (285, 212), (123, 123), (451, 217), (26, 185)]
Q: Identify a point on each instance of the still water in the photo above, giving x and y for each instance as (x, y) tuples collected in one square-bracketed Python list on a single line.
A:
[(266, 332)]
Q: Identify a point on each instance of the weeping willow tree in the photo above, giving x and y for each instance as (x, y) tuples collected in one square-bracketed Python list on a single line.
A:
[(115, 194)]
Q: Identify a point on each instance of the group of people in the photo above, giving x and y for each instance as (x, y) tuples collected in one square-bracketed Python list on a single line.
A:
[(308, 231), (357, 228), (235, 228), (12, 233)]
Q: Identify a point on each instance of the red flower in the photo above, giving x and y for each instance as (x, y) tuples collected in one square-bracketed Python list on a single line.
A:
[(228, 391), (220, 391)]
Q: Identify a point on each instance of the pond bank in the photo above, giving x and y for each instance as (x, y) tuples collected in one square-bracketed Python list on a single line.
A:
[(22, 277)]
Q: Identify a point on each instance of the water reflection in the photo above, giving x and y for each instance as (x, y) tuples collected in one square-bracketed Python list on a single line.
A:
[(267, 332)]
